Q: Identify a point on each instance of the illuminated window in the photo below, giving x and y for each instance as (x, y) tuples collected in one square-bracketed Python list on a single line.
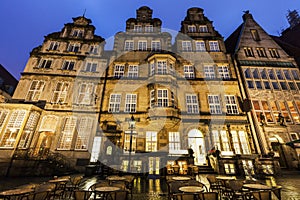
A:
[(192, 103), (28, 130), (261, 52), (248, 52), (3, 117), (274, 53), (225, 141), (214, 104), (35, 90), (255, 35), (67, 133), (84, 131), (114, 103), (127, 141), (229, 168), (174, 141), (151, 141), (13, 126), (60, 92), (293, 111)]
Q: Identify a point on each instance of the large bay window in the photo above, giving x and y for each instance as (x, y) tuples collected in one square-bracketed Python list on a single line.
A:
[(28, 130), (86, 92), (14, 124), (67, 133)]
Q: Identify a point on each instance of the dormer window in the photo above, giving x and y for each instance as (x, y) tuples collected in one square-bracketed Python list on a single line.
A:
[(77, 33), (192, 29), (137, 28), (73, 47), (53, 46), (254, 34), (149, 28), (203, 29), (94, 49)]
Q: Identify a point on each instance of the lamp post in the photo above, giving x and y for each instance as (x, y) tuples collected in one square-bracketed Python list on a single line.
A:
[(131, 127)]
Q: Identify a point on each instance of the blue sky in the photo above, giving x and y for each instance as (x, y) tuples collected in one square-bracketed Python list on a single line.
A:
[(26, 22)]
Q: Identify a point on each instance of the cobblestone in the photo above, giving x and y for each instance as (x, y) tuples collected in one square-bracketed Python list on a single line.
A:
[(156, 189)]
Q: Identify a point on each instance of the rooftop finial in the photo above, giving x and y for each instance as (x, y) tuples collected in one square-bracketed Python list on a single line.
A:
[(84, 12), (246, 11)]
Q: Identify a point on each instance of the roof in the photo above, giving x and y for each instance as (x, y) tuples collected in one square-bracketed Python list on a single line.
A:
[(232, 41), (8, 80)]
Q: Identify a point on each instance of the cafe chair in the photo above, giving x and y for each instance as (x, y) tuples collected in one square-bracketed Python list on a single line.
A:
[(233, 189), (209, 196), (262, 195), (73, 184), (214, 184), (185, 196), (103, 183), (120, 195), (82, 194), (277, 192), (173, 189)]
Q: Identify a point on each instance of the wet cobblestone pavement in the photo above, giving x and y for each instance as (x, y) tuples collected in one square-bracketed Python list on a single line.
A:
[(156, 189)]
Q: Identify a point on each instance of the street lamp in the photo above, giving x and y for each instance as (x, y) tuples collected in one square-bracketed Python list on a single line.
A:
[(131, 123)]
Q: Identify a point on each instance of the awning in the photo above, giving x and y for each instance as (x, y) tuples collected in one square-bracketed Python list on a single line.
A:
[(294, 143)]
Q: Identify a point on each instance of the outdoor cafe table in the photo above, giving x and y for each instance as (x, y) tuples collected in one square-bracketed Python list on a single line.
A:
[(19, 193), (115, 178), (106, 190), (256, 186), (181, 178), (191, 189)]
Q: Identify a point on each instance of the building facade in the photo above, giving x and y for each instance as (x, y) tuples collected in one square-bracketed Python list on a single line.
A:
[(144, 105), (270, 78)]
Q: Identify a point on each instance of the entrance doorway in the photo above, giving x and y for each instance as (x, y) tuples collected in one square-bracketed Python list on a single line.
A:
[(43, 144), (154, 165), (196, 142)]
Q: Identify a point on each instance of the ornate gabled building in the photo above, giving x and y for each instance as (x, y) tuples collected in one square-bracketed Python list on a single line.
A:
[(182, 97), (8, 84), (62, 77), (140, 107), (270, 78)]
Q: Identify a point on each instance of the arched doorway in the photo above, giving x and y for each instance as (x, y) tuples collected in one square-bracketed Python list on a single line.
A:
[(276, 144), (43, 144), (196, 142)]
